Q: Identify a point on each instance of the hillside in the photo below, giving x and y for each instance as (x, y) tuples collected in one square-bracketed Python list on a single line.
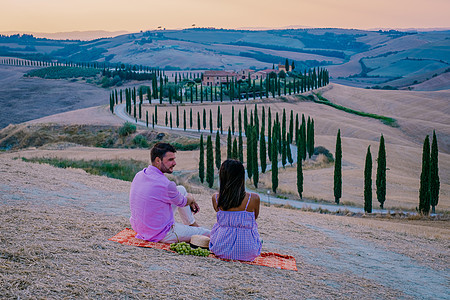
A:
[(354, 57)]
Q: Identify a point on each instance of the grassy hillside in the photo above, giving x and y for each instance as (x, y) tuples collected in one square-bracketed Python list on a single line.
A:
[(354, 57)]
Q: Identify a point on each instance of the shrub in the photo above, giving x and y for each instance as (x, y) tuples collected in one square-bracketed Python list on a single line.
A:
[(127, 128), (140, 141)]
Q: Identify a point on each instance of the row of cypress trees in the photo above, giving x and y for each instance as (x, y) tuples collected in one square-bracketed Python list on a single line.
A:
[(429, 181), (429, 178)]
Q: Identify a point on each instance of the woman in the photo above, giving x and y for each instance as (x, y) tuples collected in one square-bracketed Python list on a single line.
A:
[(235, 235)]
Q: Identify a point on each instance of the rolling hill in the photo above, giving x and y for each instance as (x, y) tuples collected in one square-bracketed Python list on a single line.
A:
[(380, 59)]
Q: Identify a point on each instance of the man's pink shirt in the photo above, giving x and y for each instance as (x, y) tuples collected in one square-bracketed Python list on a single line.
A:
[(151, 197)]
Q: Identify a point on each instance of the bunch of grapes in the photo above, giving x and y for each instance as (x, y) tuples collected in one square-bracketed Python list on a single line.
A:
[(185, 249)]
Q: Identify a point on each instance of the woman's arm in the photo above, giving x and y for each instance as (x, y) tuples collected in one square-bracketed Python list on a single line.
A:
[(256, 202), (214, 203)]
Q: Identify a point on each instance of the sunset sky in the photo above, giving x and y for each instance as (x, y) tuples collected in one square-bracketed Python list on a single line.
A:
[(136, 15)]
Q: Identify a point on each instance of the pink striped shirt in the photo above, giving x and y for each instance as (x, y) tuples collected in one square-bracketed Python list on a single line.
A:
[(151, 197)]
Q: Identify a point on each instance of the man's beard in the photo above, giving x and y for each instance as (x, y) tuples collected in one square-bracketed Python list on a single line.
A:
[(164, 169)]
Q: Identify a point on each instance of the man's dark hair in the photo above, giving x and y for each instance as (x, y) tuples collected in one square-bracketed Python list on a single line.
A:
[(160, 149)]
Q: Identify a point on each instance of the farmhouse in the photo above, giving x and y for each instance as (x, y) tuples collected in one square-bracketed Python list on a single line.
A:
[(217, 77), (211, 78)]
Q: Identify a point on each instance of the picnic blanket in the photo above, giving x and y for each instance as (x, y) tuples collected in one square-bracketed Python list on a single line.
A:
[(268, 259)]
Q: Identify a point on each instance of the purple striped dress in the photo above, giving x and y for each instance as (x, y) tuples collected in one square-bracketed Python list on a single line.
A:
[(235, 235)]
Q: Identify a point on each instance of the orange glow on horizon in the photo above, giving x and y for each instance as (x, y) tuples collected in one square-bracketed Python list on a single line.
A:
[(136, 15)]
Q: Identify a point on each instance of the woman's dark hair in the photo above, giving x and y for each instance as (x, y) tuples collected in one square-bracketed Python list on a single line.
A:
[(160, 149), (232, 184)]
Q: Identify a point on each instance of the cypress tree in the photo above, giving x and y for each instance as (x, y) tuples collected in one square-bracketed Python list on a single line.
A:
[(234, 153), (218, 116), (156, 114), (178, 118), (245, 120), (368, 182), (256, 118), (274, 159), (262, 148), (210, 121), (184, 119), (167, 119), (218, 154), (288, 150), (232, 119), (311, 143), (249, 151), (201, 164), (229, 144), (209, 162), (146, 119), (240, 122), (198, 121), (269, 135), (204, 119), (434, 174), (381, 173), (170, 120), (308, 137), (303, 137), (291, 127), (299, 173), (241, 148), (190, 118), (255, 172), (424, 192), (284, 146), (338, 169)]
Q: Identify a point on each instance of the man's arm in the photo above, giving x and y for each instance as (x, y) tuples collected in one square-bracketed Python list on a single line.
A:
[(191, 202)]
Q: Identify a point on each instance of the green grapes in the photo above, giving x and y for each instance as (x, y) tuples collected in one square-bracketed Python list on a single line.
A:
[(184, 248)]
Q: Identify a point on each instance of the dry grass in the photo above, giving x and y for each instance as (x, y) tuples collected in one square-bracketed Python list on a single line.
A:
[(56, 222)]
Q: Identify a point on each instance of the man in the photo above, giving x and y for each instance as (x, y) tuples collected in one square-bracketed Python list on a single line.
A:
[(154, 199)]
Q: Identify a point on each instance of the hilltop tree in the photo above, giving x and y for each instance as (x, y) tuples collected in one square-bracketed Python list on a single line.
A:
[(218, 154), (381, 173), (368, 182), (209, 162), (338, 169), (434, 174), (424, 191), (201, 164)]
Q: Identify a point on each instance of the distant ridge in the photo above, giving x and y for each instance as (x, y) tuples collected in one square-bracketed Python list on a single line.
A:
[(71, 35)]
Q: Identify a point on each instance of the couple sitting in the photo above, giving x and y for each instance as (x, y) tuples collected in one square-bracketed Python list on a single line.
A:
[(154, 199)]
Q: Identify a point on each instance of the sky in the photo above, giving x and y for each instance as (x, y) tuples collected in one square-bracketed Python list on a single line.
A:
[(135, 15)]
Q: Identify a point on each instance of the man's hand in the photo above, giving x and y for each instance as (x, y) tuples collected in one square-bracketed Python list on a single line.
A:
[(191, 202), (194, 207)]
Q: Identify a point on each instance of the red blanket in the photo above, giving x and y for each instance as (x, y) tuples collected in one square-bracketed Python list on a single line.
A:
[(268, 259)]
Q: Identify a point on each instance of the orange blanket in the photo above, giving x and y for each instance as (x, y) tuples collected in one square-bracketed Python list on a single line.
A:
[(268, 259)]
